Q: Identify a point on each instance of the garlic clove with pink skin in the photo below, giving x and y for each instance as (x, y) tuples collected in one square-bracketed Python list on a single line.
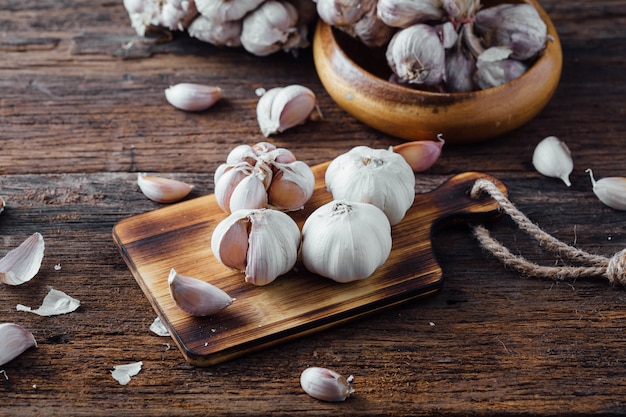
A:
[(268, 240), (422, 154), (250, 193), (162, 190), (282, 108), (196, 297), (21, 264), (292, 186), (227, 177), (610, 190), (193, 97), (14, 340), (325, 384)]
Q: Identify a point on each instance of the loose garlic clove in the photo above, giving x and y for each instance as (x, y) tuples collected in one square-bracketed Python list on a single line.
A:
[(22, 263), (282, 108), (610, 190), (377, 176), (553, 158), (292, 186), (422, 154), (2, 204), (193, 97), (267, 239), (162, 190), (346, 241), (14, 340), (325, 384), (196, 297)]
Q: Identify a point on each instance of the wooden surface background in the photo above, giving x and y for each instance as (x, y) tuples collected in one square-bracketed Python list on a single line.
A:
[(82, 111)]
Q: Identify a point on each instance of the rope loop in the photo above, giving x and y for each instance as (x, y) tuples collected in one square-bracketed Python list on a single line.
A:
[(614, 268)]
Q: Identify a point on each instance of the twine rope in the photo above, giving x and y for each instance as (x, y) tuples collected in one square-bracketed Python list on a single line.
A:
[(613, 268)]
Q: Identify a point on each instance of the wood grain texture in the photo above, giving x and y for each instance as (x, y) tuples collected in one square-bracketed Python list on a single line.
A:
[(79, 120), (298, 303)]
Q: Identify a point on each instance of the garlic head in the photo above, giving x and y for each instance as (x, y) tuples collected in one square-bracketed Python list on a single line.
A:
[(553, 158), (377, 176), (345, 241), (610, 190), (262, 243)]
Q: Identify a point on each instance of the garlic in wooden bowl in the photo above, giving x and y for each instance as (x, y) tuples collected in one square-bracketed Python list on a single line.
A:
[(357, 78)]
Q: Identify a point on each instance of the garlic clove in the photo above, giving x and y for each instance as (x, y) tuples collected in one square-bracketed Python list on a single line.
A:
[(346, 241), (421, 155), (2, 204), (248, 194), (193, 97), (261, 148), (494, 67), (14, 340), (22, 263), (196, 297), (282, 108), (162, 190), (292, 186), (264, 243), (610, 190), (325, 384), (242, 153), (229, 241), (226, 179), (553, 158)]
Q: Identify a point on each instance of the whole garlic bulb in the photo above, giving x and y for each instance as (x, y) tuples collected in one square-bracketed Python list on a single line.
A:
[(345, 241), (377, 176), (261, 243), (262, 176), (417, 56), (403, 13)]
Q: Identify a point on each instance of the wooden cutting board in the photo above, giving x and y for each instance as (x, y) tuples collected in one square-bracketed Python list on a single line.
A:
[(298, 303)]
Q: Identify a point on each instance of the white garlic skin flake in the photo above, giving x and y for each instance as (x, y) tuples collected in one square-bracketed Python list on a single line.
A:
[(14, 340), (377, 176), (610, 190), (196, 297), (262, 243), (325, 384), (553, 158), (346, 241)]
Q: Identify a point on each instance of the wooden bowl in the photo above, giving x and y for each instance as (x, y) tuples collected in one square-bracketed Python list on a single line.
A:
[(356, 78)]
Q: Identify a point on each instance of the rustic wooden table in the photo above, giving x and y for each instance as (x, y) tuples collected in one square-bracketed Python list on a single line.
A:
[(81, 114)]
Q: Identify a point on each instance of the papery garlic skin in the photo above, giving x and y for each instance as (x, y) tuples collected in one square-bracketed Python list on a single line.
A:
[(193, 97), (494, 68), (21, 264), (282, 108), (162, 190), (553, 158), (421, 155), (516, 26), (325, 384), (404, 13), (417, 56), (377, 176), (610, 190), (14, 340), (196, 297), (262, 243), (346, 241)]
